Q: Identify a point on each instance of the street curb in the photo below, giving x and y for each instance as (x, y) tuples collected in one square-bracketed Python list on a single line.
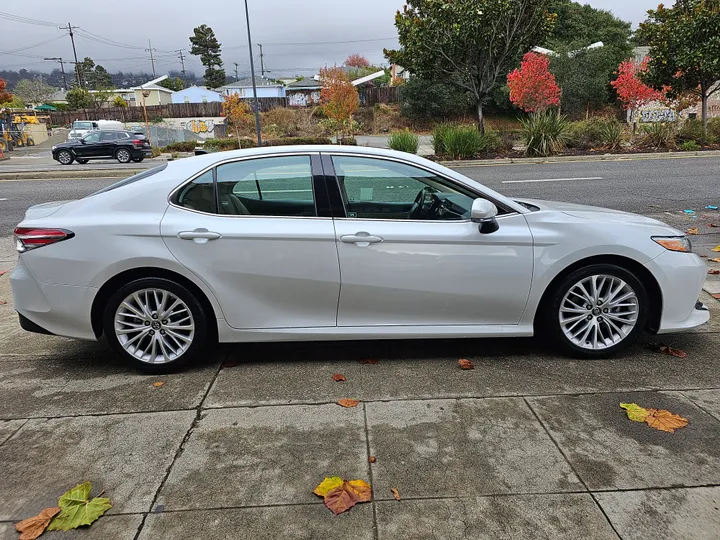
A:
[(46, 175), (586, 158)]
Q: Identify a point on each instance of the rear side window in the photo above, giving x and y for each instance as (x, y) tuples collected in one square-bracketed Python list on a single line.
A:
[(132, 179), (199, 195)]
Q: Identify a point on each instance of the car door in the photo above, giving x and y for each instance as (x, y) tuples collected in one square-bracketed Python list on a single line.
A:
[(407, 259), (106, 147), (251, 229), (88, 146)]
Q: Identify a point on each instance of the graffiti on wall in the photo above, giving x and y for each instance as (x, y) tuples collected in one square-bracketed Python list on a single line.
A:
[(658, 115), (199, 125), (303, 99)]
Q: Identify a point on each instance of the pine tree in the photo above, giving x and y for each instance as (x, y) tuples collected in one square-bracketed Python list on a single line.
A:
[(206, 46)]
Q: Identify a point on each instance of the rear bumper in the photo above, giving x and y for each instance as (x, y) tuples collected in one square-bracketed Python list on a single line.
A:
[(63, 310)]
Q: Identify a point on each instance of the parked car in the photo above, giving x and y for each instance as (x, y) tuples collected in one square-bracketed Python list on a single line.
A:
[(125, 146), (338, 243), (80, 128)]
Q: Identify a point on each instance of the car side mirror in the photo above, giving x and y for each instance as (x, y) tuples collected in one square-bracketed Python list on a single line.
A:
[(82, 141), (484, 212)]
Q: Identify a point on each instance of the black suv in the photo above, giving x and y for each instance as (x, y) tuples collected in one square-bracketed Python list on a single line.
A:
[(125, 146)]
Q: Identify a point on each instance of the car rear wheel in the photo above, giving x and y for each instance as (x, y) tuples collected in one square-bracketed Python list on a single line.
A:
[(82, 161), (65, 157), (123, 155), (597, 311), (156, 324)]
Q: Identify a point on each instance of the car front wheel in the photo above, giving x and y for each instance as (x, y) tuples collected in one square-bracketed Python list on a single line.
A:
[(64, 157), (156, 324), (123, 155), (597, 311)]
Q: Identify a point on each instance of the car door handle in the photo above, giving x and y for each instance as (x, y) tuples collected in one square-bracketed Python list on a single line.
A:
[(199, 236), (361, 239)]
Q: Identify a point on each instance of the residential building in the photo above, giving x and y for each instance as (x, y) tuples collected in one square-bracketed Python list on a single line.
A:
[(196, 94), (156, 94), (303, 93), (244, 88)]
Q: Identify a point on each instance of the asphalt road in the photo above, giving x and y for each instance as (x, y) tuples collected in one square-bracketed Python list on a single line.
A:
[(645, 186)]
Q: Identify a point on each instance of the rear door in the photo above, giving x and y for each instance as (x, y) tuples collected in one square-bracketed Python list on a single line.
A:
[(258, 232), (107, 146)]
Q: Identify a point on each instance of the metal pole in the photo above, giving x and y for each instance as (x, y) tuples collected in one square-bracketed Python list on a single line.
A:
[(62, 69), (72, 39), (262, 61), (182, 61), (152, 60), (252, 74), (236, 72)]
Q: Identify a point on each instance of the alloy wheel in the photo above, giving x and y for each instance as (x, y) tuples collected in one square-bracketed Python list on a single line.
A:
[(599, 312), (65, 158), (123, 156), (154, 325)]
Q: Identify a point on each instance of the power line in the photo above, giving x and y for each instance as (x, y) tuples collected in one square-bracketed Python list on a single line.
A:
[(319, 42), (26, 20), (35, 45)]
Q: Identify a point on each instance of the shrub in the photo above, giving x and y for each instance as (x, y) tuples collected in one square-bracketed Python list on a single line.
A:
[(611, 134), (659, 135), (281, 121), (714, 130), (404, 141), (462, 142), (691, 130), (586, 134), (423, 99), (181, 146), (545, 133), (155, 151), (219, 145), (438, 137), (689, 146), (492, 142)]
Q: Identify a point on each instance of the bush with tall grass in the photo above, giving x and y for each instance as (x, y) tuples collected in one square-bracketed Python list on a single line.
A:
[(438, 137), (611, 134), (545, 133), (659, 135), (404, 141)]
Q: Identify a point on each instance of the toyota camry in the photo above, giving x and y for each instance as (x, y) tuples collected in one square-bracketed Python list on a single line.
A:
[(341, 243)]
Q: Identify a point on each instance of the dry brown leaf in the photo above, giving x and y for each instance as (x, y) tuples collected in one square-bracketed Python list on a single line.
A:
[(714, 259), (663, 420), (713, 272), (2, 302), (158, 384), (716, 296), (466, 364), (340, 495), (712, 225), (694, 230), (369, 361), (339, 377), (3, 272), (666, 349), (372, 459), (348, 403), (395, 493), (33, 527)]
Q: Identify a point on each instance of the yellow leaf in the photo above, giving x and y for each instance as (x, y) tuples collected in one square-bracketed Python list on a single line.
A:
[(635, 412), (663, 420), (330, 483), (715, 259), (344, 497), (716, 248), (158, 384), (694, 230), (33, 527), (395, 493)]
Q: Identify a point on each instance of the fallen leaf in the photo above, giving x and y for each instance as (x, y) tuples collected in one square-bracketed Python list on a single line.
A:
[(713, 272), (694, 230), (2, 302), (77, 509), (716, 249), (348, 403), (714, 259), (230, 363), (666, 349), (340, 496), (33, 527), (716, 296), (372, 459), (3, 272), (339, 377), (635, 412), (158, 384), (712, 225), (395, 493), (466, 364), (369, 361), (663, 420)]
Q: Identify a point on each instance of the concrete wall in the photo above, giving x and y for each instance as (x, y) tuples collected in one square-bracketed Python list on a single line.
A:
[(206, 128)]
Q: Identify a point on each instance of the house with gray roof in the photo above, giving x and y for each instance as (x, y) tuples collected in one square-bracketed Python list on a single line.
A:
[(303, 93), (244, 88)]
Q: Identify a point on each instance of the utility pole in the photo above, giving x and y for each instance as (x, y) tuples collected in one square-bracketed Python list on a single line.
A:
[(182, 60), (262, 62), (152, 60), (62, 69), (236, 72), (252, 75), (70, 29)]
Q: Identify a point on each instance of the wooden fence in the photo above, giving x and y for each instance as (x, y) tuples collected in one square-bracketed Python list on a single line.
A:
[(372, 96)]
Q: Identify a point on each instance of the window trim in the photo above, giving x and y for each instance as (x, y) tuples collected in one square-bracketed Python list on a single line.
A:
[(341, 211), (315, 172)]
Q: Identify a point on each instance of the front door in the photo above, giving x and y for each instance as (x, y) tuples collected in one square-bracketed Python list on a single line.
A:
[(89, 146), (254, 236), (409, 254)]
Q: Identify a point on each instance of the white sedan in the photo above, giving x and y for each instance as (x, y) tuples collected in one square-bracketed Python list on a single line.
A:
[(340, 243)]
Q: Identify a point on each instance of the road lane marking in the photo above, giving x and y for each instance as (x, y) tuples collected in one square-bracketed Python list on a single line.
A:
[(5, 199), (550, 180)]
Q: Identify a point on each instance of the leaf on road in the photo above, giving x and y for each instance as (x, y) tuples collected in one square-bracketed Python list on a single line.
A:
[(340, 496), (348, 403), (466, 364), (716, 249), (77, 509), (33, 527), (715, 259), (713, 272), (694, 230), (635, 412), (666, 349), (395, 493), (158, 384), (663, 420), (369, 361), (339, 377), (2, 302), (372, 459), (3, 272), (716, 296), (713, 225)]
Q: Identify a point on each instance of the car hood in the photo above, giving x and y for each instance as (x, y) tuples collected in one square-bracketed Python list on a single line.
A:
[(603, 215), (69, 144)]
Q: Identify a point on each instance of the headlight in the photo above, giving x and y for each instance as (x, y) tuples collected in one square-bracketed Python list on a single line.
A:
[(674, 243), (53, 148)]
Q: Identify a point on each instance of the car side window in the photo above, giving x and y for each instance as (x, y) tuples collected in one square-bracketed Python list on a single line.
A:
[(199, 194), (107, 136), (271, 186), (92, 137), (383, 189)]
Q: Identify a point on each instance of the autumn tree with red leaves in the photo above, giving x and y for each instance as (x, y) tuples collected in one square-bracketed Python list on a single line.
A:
[(532, 87), (339, 97), (4, 96), (631, 91), (237, 113), (357, 61)]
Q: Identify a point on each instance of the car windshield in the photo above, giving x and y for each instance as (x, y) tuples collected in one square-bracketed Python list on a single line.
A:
[(132, 179), (82, 125)]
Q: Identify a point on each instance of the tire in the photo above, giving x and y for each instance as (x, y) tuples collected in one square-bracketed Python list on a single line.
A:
[(3, 145), (65, 157), (30, 142), (137, 346), (123, 155), (138, 160), (566, 319), (82, 161)]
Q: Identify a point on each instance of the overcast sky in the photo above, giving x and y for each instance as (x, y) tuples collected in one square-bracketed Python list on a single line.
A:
[(298, 37)]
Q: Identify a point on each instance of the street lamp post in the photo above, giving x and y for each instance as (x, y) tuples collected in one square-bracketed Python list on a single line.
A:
[(252, 74)]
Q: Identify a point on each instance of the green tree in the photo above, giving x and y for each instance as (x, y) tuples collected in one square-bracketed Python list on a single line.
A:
[(206, 46), (93, 76), (34, 91), (422, 99), (175, 84), (684, 49), (472, 44), (79, 98), (119, 102)]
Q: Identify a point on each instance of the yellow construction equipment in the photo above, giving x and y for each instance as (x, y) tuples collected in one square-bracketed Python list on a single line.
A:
[(12, 130)]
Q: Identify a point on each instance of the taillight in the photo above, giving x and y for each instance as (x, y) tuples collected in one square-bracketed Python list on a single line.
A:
[(137, 142), (30, 238)]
